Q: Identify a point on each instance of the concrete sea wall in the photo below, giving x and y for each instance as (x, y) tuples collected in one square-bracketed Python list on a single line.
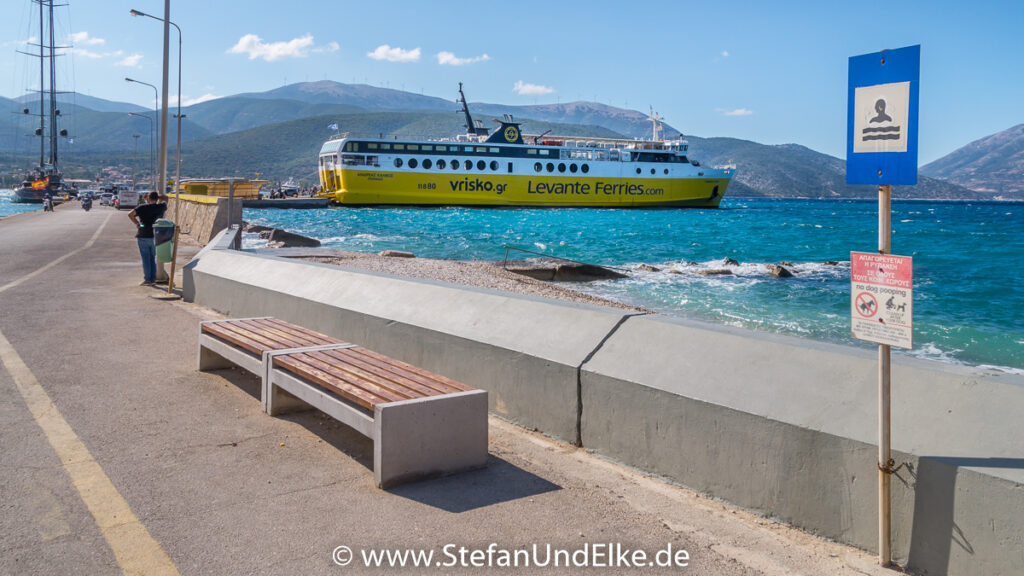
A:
[(782, 426), (203, 217)]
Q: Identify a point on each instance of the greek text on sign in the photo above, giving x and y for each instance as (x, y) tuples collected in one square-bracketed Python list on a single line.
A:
[(882, 298), (881, 115)]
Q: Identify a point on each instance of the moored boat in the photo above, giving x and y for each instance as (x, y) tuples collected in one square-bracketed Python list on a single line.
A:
[(45, 179), (508, 168)]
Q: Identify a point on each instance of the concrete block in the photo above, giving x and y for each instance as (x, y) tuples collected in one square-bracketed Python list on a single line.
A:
[(427, 437)]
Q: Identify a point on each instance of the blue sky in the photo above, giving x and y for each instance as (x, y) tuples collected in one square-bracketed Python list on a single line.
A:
[(772, 72)]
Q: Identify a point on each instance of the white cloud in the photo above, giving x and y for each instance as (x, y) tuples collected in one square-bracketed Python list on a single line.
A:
[(329, 47), (396, 54), (86, 53), (82, 38), (255, 47), (190, 101), (735, 112), (449, 59), (725, 53), (130, 61), (531, 89)]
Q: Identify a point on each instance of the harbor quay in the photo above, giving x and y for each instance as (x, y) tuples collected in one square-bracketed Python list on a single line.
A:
[(119, 456)]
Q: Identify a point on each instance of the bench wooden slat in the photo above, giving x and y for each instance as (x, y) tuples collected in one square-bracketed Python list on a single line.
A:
[(356, 394), (432, 379), (287, 339), (255, 346), (360, 362), (263, 340), (316, 361), (295, 332), (297, 329)]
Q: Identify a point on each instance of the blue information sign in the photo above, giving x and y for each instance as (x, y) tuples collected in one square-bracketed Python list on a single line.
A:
[(881, 141)]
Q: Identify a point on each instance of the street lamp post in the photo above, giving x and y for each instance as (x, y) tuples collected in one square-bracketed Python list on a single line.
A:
[(178, 116), (156, 106), (135, 158), (151, 167)]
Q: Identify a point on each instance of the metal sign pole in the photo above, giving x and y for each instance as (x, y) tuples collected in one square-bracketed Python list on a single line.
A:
[(884, 476)]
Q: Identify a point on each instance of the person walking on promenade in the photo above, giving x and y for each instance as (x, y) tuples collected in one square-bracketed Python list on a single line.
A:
[(144, 216)]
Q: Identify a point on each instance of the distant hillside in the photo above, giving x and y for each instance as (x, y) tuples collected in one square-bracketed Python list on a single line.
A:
[(994, 164), (97, 104), (359, 95), (629, 123), (794, 171), (236, 113)]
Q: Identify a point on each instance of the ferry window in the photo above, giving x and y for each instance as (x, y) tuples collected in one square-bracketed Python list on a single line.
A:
[(441, 164), (494, 164), (481, 149), (372, 161), (480, 165), (637, 170), (385, 146), (372, 145), (427, 163), (493, 150), (585, 168), (561, 167), (455, 164), (532, 151), (439, 148), (348, 147), (469, 149), (666, 170), (427, 147), (537, 167), (399, 146), (412, 162), (572, 168), (509, 167), (398, 162), (413, 147), (551, 167), (545, 152), (652, 170), (468, 164)]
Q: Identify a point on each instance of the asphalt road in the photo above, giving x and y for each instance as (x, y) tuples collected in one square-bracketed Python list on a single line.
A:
[(117, 456)]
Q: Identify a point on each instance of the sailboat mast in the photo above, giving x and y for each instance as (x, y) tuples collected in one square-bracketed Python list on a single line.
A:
[(53, 93), (42, 93)]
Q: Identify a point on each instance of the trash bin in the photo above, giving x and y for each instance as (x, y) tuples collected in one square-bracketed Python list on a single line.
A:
[(163, 237)]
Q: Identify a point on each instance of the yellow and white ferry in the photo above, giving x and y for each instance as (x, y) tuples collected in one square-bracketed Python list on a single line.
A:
[(508, 168)]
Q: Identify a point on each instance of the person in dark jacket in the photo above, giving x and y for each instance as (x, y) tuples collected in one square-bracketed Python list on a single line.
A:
[(144, 216)]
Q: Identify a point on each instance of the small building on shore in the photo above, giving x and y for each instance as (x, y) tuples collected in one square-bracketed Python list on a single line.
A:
[(245, 188)]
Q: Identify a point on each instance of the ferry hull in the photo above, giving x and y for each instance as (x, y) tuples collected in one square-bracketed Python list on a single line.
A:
[(374, 187)]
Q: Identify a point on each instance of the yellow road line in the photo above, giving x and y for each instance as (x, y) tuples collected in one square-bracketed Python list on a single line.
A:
[(134, 548), (87, 245)]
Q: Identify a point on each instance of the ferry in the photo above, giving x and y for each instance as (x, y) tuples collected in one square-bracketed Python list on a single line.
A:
[(508, 168)]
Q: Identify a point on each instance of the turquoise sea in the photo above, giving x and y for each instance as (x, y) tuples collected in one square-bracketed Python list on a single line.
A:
[(7, 207), (968, 296)]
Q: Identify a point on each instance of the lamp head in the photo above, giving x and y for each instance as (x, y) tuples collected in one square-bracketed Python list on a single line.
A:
[(136, 13)]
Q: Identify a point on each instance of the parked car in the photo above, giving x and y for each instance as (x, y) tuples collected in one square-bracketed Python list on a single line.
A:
[(106, 199)]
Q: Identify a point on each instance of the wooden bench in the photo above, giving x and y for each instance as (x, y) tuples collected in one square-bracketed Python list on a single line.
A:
[(422, 424)]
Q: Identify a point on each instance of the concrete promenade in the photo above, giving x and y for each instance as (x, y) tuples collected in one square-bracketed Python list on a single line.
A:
[(119, 457)]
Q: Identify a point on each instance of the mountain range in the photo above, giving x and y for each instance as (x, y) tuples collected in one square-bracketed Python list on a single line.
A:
[(278, 133)]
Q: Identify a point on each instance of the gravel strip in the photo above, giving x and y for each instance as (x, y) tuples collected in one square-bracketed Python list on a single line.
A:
[(476, 273)]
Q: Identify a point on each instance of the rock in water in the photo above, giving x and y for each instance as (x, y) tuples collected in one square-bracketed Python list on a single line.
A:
[(648, 268), (731, 262), (779, 271), (282, 239), (714, 272)]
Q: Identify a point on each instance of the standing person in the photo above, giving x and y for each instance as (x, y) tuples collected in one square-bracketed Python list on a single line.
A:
[(144, 217)]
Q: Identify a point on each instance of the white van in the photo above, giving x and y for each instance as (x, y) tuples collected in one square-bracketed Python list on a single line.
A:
[(129, 199)]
